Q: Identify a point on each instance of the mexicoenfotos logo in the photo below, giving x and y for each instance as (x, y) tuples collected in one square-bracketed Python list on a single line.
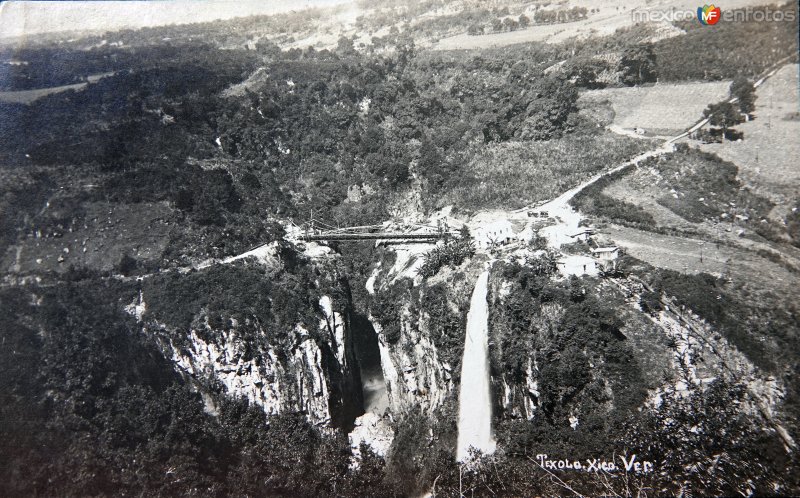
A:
[(708, 14)]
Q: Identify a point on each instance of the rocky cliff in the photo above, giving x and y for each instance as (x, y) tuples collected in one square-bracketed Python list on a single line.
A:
[(286, 352), (566, 353)]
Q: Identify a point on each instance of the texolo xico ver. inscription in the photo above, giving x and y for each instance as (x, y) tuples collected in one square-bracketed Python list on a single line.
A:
[(627, 464)]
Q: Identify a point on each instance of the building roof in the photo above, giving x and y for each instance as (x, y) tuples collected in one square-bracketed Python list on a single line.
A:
[(606, 249)]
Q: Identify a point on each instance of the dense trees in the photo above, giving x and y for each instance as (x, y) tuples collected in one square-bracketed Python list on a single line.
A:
[(388, 309), (724, 114), (684, 433), (557, 16), (269, 128), (27, 68), (93, 408), (639, 65), (743, 90), (743, 47), (548, 114), (562, 328), (592, 72), (451, 253)]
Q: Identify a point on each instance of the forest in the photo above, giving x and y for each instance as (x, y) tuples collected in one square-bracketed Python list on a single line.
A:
[(226, 143)]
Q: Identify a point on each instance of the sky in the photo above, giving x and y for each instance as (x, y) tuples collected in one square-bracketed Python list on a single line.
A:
[(19, 18)]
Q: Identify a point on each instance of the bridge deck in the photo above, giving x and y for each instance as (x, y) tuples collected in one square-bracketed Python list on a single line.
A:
[(372, 236)]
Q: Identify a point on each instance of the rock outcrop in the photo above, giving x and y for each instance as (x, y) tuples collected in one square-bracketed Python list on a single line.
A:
[(315, 372), (413, 372)]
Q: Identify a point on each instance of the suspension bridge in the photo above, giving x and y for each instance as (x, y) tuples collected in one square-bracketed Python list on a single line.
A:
[(319, 232)]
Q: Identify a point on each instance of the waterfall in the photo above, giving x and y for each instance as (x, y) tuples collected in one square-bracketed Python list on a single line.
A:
[(475, 407)]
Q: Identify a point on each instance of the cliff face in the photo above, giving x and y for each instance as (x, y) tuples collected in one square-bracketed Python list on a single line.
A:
[(565, 353), (297, 384), (420, 326), (414, 374), (310, 367), (520, 399)]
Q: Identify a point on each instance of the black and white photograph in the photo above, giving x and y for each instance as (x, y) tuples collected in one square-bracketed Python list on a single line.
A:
[(400, 248)]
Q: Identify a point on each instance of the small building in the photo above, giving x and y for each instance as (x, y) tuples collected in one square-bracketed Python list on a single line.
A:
[(577, 265), (606, 256), (493, 234), (583, 235)]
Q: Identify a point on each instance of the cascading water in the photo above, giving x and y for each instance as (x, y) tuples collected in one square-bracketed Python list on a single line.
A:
[(475, 407)]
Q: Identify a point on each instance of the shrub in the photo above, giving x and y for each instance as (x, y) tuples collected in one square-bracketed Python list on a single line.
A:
[(388, 307), (691, 432), (616, 210), (452, 253), (127, 264), (704, 294)]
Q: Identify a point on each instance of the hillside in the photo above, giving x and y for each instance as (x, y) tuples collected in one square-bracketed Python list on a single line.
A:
[(286, 255)]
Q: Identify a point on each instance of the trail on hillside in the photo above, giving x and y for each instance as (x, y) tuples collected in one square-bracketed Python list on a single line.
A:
[(568, 219)]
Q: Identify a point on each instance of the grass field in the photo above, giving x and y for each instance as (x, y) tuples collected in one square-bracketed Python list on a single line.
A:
[(28, 96), (693, 193), (767, 157), (514, 174), (611, 15), (659, 109), (550, 33), (690, 255)]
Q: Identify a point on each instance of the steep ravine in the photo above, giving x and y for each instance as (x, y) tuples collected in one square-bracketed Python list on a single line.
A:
[(239, 341), (559, 356)]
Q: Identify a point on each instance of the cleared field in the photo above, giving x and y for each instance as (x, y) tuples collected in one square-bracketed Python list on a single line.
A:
[(658, 108), (550, 33), (687, 255), (767, 157), (611, 15), (28, 96)]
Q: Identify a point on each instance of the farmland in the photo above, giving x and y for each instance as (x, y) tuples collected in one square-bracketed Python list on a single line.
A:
[(659, 109), (693, 255), (767, 155), (608, 17), (28, 96), (549, 33)]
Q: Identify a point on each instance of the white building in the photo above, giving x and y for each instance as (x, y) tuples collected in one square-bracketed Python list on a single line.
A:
[(606, 256), (577, 265), (496, 233)]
